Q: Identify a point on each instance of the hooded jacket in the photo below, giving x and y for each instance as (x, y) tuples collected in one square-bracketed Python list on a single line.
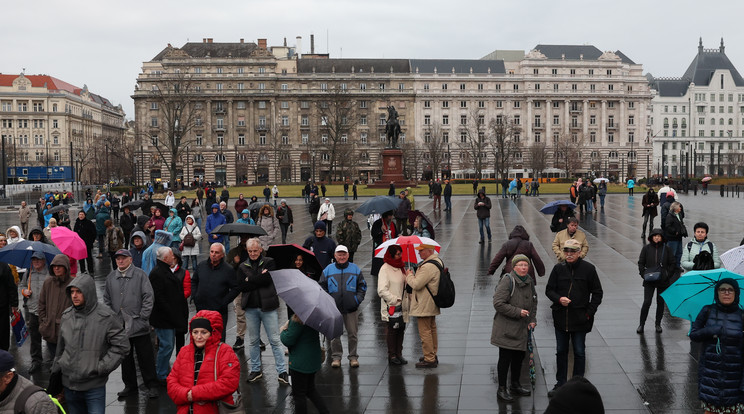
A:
[(214, 220), (103, 214), (173, 225), (14, 239), (137, 253), (170, 309), (719, 328), (92, 342), (271, 225), (129, 294), (150, 255), (483, 211), (195, 232), (657, 256), (579, 282), (519, 243), (53, 300), (206, 390)]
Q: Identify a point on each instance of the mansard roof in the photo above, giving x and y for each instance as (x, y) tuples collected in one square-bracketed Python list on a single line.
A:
[(357, 65), (576, 52), (669, 87), (461, 66), (213, 50), (706, 62)]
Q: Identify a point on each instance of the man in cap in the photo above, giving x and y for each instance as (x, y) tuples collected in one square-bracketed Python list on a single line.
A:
[(424, 284), (401, 214), (348, 233), (576, 293), (571, 232), (129, 294), (15, 388), (346, 285), (92, 343)]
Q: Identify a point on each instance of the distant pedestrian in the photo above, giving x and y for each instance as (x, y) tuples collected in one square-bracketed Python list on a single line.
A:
[(314, 207), (483, 208), (326, 213), (631, 185), (675, 231), (504, 187), (348, 233), (285, 218), (323, 189), (354, 191), (24, 214), (224, 195), (437, 193), (602, 191), (447, 192), (270, 224), (650, 202), (346, 190), (391, 189), (401, 214)]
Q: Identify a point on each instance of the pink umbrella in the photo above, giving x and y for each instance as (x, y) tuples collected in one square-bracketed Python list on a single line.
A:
[(706, 179), (409, 244), (69, 243)]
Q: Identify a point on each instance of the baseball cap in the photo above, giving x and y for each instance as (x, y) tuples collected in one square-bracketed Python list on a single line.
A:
[(38, 255), (572, 244), (7, 362), (341, 248), (425, 246), (123, 252)]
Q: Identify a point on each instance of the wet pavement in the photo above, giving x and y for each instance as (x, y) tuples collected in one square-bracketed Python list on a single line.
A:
[(634, 373)]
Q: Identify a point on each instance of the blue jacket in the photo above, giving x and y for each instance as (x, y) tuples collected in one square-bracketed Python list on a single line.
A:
[(214, 220), (345, 284), (719, 374), (173, 225), (323, 249)]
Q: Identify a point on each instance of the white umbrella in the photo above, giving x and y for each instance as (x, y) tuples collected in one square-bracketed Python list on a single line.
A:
[(601, 180), (733, 260)]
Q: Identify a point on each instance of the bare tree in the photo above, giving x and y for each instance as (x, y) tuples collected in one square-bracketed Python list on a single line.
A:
[(503, 135), (412, 159), (336, 111), (434, 146), (567, 152), (538, 158), (177, 116), (473, 142)]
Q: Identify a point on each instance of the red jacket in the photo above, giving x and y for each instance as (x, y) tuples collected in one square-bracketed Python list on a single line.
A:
[(206, 391)]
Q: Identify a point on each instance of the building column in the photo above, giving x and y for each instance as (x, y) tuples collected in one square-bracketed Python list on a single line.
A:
[(566, 116), (585, 119), (622, 128), (548, 121), (603, 123), (530, 123)]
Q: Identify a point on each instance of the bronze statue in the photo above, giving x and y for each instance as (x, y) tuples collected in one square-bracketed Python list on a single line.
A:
[(392, 129)]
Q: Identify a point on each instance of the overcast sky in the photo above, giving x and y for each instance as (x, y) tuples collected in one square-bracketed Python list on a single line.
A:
[(102, 44)]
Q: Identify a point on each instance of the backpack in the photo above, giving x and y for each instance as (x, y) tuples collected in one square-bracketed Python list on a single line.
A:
[(704, 259), (20, 403), (188, 239), (445, 296)]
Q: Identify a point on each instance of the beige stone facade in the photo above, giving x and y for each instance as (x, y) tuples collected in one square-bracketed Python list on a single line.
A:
[(43, 119)]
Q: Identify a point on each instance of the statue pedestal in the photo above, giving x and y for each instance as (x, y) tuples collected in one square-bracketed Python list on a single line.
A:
[(392, 170)]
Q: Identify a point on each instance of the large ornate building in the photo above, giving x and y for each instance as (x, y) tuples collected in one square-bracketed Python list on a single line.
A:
[(49, 125), (698, 118), (246, 112)]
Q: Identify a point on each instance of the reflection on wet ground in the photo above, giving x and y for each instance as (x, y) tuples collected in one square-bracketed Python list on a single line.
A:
[(634, 373)]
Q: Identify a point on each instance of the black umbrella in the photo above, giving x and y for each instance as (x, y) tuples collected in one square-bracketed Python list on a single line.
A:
[(133, 205), (58, 208), (429, 224), (284, 256), (256, 205), (379, 205), (162, 207), (232, 229)]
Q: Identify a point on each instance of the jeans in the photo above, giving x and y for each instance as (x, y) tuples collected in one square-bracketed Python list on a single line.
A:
[(346, 195), (303, 388), (503, 191), (578, 340), (448, 203), (676, 247), (166, 342), (186, 260), (226, 242), (601, 199), (198, 222), (253, 318), (32, 325), (589, 204), (92, 401), (285, 228), (487, 222)]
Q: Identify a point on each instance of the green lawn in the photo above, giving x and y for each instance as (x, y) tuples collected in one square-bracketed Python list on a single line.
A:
[(295, 190)]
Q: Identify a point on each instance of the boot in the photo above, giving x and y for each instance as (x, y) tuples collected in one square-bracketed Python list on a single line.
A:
[(503, 395), (640, 329), (518, 390), (658, 328)]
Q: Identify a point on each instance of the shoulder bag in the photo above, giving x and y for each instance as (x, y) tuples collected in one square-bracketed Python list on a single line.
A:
[(223, 407), (654, 274)]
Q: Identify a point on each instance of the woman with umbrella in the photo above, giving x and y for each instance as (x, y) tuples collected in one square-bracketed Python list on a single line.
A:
[(394, 305), (515, 302), (602, 191), (304, 348), (560, 218), (719, 328), (655, 257)]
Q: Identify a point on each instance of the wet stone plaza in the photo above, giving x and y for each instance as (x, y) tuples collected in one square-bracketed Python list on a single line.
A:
[(654, 373)]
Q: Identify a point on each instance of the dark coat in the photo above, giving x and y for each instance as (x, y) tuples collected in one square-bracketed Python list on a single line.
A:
[(579, 282), (651, 258), (257, 287), (519, 243), (483, 211), (674, 229), (556, 225), (323, 249), (650, 202), (183, 209), (314, 207), (86, 230), (447, 190), (719, 373), (170, 309), (210, 285), (281, 212), (127, 222)]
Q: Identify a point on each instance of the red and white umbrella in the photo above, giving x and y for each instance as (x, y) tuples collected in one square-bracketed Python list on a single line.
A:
[(408, 244)]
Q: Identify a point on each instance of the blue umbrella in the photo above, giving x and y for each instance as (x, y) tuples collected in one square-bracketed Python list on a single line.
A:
[(19, 254), (695, 289), (379, 205), (313, 305), (553, 206)]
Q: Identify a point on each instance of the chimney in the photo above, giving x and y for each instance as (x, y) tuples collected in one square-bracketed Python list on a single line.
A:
[(285, 42), (204, 40), (722, 48), (209, 40), (262, 43), (242, 40), (312, 44), (298, 46)]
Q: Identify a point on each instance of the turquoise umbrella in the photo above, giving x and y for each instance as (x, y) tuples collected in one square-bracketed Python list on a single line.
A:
[(695, 289)]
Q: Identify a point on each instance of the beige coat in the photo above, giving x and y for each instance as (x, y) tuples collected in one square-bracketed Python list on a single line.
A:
[(561, 238), (422, 303), (509, 329), (391, 283)]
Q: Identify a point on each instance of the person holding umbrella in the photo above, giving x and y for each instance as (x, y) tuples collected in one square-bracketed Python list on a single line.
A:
[(87, 231), (718, 327), (515, 302), (561, 217), (304, 347), (391, 284)]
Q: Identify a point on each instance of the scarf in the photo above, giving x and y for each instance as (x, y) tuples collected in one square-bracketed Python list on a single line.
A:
[(397, 263)]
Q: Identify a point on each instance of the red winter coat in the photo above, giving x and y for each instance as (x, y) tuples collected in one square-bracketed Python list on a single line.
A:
[(206, 391)]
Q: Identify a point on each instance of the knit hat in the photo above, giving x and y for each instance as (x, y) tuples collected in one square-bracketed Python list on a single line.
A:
[(284, 200), (201, 323), (7, 362), (577, 396), (320, 225), (520, 258)]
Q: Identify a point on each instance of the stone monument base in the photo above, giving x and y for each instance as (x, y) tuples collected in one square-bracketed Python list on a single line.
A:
[(392, 170)]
